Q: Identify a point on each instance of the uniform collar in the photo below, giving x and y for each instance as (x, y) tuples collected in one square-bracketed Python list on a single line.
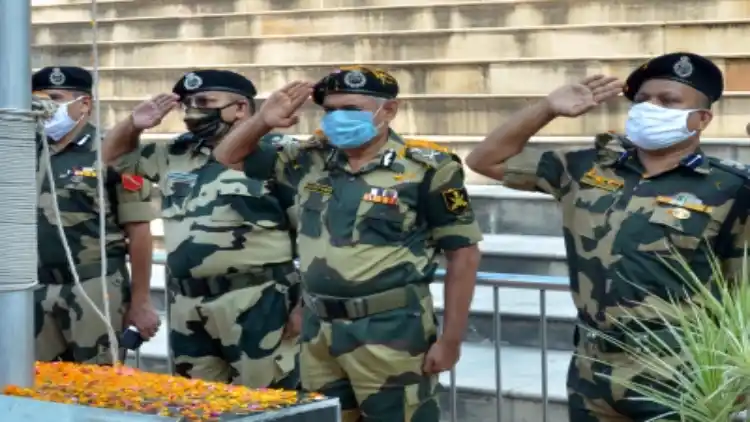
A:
[(695, 162), (390, 156), (83, 140)]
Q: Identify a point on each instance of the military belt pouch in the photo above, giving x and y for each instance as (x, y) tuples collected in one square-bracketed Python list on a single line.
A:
[(218, 285), (330, 308), (615, 341), (62, 274)]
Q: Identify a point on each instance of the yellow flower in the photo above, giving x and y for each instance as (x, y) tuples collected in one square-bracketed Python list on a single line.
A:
[(124, 388)]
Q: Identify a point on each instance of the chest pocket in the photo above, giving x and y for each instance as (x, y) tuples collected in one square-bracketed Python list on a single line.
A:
[(244, 202), (310, 217), (175, 192), (382, 224), (81, 184), (682, 228), (591, 208)]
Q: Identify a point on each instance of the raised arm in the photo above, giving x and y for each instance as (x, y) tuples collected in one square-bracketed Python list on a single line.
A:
[(508, 140), (125, 136), (278, 111)]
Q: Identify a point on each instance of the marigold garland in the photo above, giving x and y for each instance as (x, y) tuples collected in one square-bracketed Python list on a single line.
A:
[(129, 389)]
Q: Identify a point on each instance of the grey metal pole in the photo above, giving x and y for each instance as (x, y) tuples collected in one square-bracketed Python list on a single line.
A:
[(17, 269)]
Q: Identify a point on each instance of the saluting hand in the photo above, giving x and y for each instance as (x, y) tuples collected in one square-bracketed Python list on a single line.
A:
[(279, 110), (150, 113), (576, 99)]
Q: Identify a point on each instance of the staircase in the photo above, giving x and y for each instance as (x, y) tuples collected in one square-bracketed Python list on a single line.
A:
[(464, 67)]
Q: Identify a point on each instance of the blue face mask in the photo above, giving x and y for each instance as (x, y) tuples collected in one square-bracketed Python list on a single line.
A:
[(348, 129)]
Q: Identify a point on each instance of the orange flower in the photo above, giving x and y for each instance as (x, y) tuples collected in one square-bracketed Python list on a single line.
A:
[(124, 388)]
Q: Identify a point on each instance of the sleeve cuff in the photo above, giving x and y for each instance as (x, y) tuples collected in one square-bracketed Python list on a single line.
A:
[(451, 238), (136, 212)]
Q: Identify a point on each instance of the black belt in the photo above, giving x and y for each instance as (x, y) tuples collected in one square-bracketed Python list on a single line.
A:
[(62, 275), (330, 308), (221, 284), (618, 341)]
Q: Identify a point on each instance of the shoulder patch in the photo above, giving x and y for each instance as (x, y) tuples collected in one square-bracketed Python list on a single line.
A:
[(131, 182), (427, 153), (456, 200), (731, 166)]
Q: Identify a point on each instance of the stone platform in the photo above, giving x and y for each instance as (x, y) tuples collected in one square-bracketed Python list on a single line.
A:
[(17, 409)]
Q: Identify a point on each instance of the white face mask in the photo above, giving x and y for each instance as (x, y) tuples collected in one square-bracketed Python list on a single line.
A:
[(60, 124), (651, 127)]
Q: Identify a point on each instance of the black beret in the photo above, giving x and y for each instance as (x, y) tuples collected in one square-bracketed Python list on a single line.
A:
[(214, 80), (356, 80), (68, 78), (687, 68)]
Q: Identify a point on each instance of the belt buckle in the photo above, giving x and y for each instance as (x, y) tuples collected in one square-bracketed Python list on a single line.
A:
[(316, 305), (357, 307)]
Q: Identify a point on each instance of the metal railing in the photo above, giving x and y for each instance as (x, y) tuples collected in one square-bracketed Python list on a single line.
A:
[(497, 281)]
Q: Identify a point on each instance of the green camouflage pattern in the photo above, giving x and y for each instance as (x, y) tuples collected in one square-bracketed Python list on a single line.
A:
[(217, 223), (362, 233), (236, 337), (618, 227), (66, 326), (216, 220), (74, 170)]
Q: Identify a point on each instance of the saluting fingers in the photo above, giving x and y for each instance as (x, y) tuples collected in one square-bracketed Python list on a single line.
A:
[(589, 80), (300, 93), (166, 102), (601, 82), (605, 92)]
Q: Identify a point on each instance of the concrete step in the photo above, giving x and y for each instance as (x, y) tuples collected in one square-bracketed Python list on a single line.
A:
[(403, 12), (161, 21), (557, 41), (500, 210), (475, 115), (521, 386), (438, 76)]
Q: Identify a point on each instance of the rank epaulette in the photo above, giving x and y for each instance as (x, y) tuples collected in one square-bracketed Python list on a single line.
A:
[(734, 167), (427, 153)]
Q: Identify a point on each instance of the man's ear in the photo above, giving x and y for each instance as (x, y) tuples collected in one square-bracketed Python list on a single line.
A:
[(390, 109), (706, 116), (86, 104)]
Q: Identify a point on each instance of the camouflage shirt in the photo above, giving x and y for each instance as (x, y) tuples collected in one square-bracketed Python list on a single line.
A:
[(216, 220), (367, 231), (128, 200), (620, 226)]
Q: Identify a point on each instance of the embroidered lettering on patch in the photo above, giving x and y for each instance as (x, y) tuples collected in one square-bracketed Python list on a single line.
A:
[(132, 182), (601, 182), (456, 200), (381, 196), (317, 187)]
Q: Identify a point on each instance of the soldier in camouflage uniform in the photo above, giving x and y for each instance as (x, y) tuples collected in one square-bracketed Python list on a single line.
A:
[(230, 249), (374, 211), (66, 327), (627, 202)]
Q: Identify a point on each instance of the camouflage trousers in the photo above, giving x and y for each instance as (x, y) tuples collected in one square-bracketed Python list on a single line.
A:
[(373, 365), (593, 398), (233, 333), (66, 327)]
